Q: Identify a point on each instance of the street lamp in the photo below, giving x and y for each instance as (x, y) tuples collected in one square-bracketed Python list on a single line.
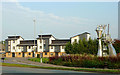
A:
[(34, 35), (15, 46)]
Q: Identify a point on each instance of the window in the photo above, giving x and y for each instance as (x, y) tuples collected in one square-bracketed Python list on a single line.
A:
[(75, 40), (8, 48), (13, 47), (19, 53), (21, 48), (18, 47), (51, 47), (13, 41), (29, 47), (8, 42), (63, 47), (29, 53), (40, 41), (45, 53), (40, 47), (44, 41), (32, 47)]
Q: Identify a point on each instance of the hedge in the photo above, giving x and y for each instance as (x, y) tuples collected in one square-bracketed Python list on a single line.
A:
[(87, 61)]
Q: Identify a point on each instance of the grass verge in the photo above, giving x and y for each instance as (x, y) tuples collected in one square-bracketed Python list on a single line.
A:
[(44, 60), (59, 68)]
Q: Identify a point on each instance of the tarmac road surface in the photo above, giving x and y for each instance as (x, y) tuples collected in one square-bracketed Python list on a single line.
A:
[(34, 71)]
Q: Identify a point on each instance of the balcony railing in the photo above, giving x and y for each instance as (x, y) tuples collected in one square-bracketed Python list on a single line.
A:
[(45, 50), (57, 50)]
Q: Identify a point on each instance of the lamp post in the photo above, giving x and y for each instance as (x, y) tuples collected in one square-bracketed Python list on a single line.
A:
[(15, 47), (34, 36)]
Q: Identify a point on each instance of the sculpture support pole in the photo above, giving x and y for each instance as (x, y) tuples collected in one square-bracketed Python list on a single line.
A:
[(99, 49)]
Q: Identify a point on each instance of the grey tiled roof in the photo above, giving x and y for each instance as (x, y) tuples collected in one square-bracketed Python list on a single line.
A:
[(81, 34), (11, 39), (60, 42), (14, 36), (45, 36)]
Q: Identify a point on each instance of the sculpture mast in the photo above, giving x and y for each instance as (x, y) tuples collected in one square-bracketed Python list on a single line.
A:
[(108, 29)]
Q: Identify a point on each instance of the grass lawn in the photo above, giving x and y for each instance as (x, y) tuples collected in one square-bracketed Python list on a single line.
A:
[(44, 60), (59, 68)]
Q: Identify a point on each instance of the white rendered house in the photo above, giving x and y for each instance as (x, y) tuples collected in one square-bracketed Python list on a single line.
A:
[(76, 38)]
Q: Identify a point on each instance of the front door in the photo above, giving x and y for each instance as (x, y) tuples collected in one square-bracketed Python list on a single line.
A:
[(23, 55), (13, 54), (33, 54), (56, 54)]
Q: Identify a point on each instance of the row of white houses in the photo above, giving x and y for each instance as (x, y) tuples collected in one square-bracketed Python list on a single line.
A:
[(47, 45)]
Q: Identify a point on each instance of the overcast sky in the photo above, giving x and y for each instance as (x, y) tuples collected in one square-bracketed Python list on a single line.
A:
[(62, 19)]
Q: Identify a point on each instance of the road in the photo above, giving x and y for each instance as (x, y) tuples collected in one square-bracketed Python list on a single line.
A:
[(31, 71), (6, 69)]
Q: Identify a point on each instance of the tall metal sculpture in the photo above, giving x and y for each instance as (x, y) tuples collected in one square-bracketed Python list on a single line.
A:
[(99, 33), (104, 40)]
